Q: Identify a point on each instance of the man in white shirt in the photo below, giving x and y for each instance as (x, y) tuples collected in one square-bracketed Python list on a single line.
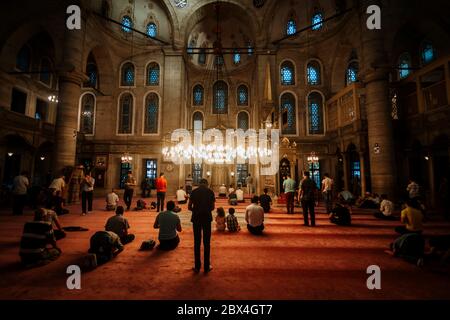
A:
[(87, 193), (181, 196), (231, 189), (239, 195), (112, 200), (249, 183), (327, 190), (222, 191), (386, 209), (254, 216), (20, 188), (58, 184)]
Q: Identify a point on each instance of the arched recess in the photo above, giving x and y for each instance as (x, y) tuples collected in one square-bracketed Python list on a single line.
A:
[(104, 64)]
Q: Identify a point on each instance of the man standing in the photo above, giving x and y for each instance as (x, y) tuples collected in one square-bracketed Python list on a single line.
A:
[(20, 188), (201, 203), (188, 182), (130, 184), (87, 193), (161, 189), (249, 182), (327, 190), (289, 190), (254, 216), (307, 198)]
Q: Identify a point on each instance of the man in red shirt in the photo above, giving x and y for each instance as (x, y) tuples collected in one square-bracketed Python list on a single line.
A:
[(161, 189)]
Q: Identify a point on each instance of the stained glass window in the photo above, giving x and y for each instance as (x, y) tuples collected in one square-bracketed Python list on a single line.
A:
[(242, 121), (45, 75), (153, 74), (197, 121), (220, 99), (314, 170), (126, 114), (428, 53), (23, 59), (197, 94), (152, 30), (87, 114), (127, 24), (151, 169), (291, 27), (151, 113), (317, 21), (236, 57), (352, 73), (313, 71), (287, 73), (127, 74), (288, 111), (242, 95), (404, 65), (202, 56), (315, 111)]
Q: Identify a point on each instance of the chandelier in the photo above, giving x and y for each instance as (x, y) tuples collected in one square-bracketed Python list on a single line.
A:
[(312, 158), (126, 158)]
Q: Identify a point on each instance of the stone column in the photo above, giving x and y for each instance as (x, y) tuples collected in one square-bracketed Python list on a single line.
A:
[(362, 164), (382, 163)]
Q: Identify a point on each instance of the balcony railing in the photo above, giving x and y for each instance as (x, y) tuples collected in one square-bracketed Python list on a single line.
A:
[(344, 108)]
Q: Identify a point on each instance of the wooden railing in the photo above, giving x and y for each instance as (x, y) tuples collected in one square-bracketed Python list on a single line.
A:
[(344, 107)]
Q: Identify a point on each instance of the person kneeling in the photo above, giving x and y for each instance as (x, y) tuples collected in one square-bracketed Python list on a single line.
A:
[(340, 215), (412, 218), (112, 200), (254, 216), (386, 209), (168, 224), (232, 222), (119, 225), (105, 245)]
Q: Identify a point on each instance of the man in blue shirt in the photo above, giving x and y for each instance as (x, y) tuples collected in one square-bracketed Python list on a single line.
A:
[(168, 224)]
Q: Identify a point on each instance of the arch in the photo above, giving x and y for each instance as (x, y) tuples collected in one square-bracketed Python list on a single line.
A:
[(45, 68), (243, 120), (125, 121), (127, 74), (198, 95), (198, 119), (314, 72), (152, 29), (87, 106), (105, 74), (287, 72), (291, 24), (315, 113), (288, 113), (153, 74), (242, 95), (220, 97), (404, 65), (152, 109)]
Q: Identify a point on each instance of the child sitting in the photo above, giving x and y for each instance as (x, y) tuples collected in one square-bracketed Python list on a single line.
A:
[(232, 222), (220, 219)]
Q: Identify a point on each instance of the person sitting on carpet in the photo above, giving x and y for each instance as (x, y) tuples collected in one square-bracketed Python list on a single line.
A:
[(220, 219), (222, 191), (36, 238), (240, 195), (411, 217), (346, 199), (181, 196), (231, 189), (232, 222), (266, 201), (112, 200), (232, 198), (140, 205), (386, 209), (105, 245), (51, 217), (119, 225), (340, 216), (367, 202), (254, 216), (168, 224), (58, 203)]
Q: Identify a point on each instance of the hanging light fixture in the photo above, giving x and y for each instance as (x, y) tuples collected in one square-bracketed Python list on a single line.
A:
[(42, 158), (126, 157), (312, 158), (10, 154)]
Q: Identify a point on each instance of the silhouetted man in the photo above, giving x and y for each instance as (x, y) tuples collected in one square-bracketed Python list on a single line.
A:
[(307, 198), (201, 203)]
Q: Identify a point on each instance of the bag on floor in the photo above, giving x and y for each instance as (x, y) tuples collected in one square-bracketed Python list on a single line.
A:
[(147, 245), (410, 246)]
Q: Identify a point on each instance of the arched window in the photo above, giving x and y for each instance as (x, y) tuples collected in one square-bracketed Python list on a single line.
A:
[(23, 59), (45, 75), (317, 21), (127, 24), (197, 121), (288, 114), (92, 73), (151, 113), (126, 114), (291, 27), (127, 77), (352, 73), (197, 95), (242, 95), (315, 113), (404, 65), (220, 98), (152, 30), (313, 72), (242, 121), (202, 56), (287, 74), (153, 74), (87, 113), (428, 53)]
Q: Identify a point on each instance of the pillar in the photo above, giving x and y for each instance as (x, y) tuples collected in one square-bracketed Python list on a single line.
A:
[(382, 162), (362, 164), (431, 182)]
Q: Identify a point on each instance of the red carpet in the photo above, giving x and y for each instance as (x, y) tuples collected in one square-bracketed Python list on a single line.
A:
[(289, 262)]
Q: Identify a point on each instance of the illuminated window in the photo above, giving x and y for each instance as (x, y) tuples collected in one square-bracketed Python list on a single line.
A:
[(352, 73), (291, 27), (242, 95), (152, 30), (127, 24), (314, 171), (287, 73), (153, 74), (313, 71), (87, 114), (315, 113), (288, 112), (220, 98), (151, 113), (126, 114), (197, 173), (404, 65), (127, 78), (197, 94), (91, 71), (317, 21), (428, 52)]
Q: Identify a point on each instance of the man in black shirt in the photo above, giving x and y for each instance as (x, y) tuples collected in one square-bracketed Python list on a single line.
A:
[(201, 203), (307, 198), (266, 201)]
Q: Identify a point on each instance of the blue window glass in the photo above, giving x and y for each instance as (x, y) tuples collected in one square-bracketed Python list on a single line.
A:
[(314, 170), (151, 113), (243, 121), (404, 66), (152, 30), (202, 56), (127, 75), (153, 74), (315, 113), (23, 59), (127, 24), (352, 73), (287, 74), (288, 111), (191, 45), (291, 27), (428, 53), (91, 71), (198, 95), (317, 21), (87, 114), (237, 58), (242, 96), (220, 99), (313, 73), (126, 114), (355, 170)]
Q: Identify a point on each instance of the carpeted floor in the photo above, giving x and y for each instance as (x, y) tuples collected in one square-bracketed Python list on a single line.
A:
[(289, 262)]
